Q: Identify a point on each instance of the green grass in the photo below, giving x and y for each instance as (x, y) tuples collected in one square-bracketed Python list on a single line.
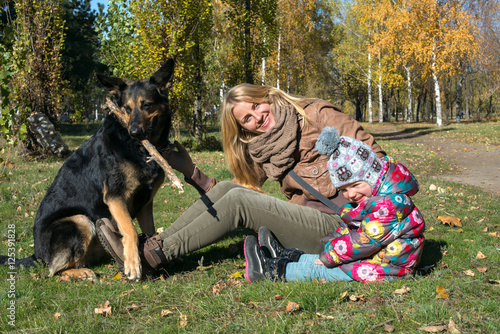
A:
[(188, 288)]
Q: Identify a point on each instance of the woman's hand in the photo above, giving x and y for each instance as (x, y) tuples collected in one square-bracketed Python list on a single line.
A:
[(180, 160)]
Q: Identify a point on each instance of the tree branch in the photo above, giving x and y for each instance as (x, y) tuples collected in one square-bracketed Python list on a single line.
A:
[(155, 155)]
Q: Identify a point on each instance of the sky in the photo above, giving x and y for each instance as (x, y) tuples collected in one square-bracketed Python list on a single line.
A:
[(94, 3)]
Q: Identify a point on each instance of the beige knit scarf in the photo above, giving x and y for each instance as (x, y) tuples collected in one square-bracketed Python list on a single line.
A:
[(274, 150)]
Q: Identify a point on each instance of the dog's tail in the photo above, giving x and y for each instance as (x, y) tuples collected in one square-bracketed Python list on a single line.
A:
[(26, 262)]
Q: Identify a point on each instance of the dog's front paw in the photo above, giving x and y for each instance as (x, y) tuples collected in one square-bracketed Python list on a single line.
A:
[(132, 262)]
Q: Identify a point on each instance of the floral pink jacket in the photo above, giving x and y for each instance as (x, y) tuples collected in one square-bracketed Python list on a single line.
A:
[(381, 238)]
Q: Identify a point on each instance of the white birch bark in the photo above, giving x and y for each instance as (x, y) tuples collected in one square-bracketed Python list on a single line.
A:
[(380, 97), (410, 99), (279, 62), (369, 83), (437, 93)]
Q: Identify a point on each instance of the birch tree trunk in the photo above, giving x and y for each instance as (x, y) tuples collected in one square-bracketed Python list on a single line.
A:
[(263, 68), (458, 100), (437, 92), (410, 100), (380, 97), (278, 62), (369, 82)]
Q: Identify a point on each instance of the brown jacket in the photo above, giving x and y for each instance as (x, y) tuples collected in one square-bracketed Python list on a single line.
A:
[(311, 166)]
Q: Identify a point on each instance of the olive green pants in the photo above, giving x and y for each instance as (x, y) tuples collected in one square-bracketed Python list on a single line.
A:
[(228, 206)]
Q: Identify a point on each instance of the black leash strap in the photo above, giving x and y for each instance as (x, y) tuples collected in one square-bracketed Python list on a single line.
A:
[(314, 192)]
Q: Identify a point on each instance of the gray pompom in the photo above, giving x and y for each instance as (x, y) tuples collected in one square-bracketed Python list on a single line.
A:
[(328, 141)]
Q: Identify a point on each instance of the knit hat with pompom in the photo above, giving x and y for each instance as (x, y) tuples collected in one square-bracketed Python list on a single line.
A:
[(350, 160)]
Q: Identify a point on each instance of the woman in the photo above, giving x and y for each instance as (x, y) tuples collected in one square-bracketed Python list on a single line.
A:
[(266, 132)]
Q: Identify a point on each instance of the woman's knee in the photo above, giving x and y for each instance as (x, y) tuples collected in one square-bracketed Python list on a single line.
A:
[(225, 186)]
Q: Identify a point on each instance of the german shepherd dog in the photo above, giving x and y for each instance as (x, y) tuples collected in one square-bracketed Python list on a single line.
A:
[(109, 176)]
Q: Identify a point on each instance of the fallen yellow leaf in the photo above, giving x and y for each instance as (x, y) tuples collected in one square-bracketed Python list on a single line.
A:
[(441, 292), (355, 298), (323, 316), (182, 321), (236, 275), (117, 277), (434, 329), (482, 270), (480, 255), (401, 291), (132, 307), (165, 313), (216, 289), (103, 309), (469, 272), (450, 220), (292, 307), (124, 293)]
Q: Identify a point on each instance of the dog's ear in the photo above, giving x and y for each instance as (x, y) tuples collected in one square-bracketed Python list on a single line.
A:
[(114, 85), (162, 77)]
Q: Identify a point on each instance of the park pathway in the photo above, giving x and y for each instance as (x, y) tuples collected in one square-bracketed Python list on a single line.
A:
[(475, 164)]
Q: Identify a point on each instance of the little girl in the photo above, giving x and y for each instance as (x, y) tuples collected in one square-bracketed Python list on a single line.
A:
[(381, 236)]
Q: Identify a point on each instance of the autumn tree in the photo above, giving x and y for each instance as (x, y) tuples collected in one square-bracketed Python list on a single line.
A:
[(441, 36), (251, 25), (79, 59), (137, 36), (38, 39)]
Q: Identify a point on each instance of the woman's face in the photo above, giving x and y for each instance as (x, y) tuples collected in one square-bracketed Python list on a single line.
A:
[(254, 117)]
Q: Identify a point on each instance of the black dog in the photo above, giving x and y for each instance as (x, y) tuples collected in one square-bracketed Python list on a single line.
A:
[(109, 176)]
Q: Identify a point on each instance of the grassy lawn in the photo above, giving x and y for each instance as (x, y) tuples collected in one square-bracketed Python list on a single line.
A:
[(207, 293)]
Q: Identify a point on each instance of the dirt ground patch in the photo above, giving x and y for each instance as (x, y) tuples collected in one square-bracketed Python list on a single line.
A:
[(475, 164)]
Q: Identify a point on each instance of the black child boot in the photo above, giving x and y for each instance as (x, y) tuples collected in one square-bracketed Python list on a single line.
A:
[(259, 266), (273, 249)]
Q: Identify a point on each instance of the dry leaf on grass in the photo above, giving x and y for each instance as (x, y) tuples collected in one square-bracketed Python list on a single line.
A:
[(441, 293), (57, 315), (236, 275), (103, 309), (35, 276), (482, 270), (182, 321), (124, 293), (480, 255), (452, 327), (494, 234), (450, 220), (165, 313), (355, 298), (278, 297), (231, 281), (343, 295), (401, 291), (64, 278), (326, 317), (292, 307), (132, 307), (389, 328), (434, 329), (469, 272)]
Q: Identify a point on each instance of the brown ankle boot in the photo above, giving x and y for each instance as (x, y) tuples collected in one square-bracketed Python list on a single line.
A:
[(150, 247)]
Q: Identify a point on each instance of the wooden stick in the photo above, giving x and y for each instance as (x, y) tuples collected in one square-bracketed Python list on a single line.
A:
[(155, 155)]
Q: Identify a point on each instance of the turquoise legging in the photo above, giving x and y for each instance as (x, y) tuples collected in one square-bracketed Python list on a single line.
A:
[(305, 270)]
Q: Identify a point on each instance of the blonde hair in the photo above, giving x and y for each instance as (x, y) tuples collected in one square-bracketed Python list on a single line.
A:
[(235, 139)]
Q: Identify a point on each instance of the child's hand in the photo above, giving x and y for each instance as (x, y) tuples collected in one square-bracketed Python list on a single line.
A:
[(318, 262)]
